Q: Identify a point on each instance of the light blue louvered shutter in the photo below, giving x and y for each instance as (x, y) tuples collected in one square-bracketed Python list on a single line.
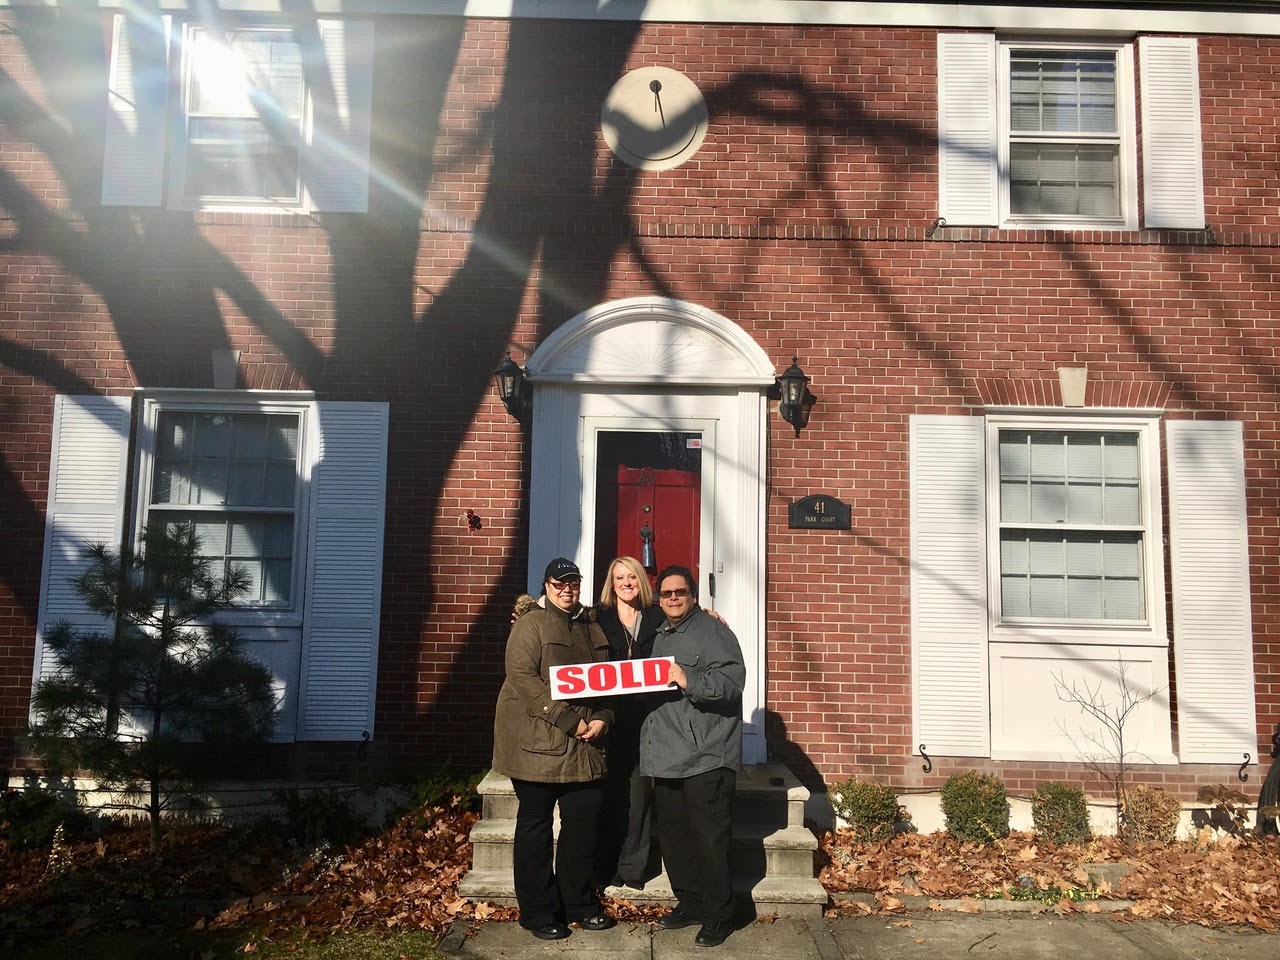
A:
[(1212, 620), (1172, 157), (335, 161), (137, 101), (951, 700), (968, 130), (342, 608), (87, 473)]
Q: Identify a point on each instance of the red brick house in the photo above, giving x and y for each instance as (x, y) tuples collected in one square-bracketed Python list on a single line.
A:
[(257, 273)]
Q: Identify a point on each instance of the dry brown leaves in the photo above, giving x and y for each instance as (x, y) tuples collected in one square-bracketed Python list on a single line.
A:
[(1212, 880), (405, 877)]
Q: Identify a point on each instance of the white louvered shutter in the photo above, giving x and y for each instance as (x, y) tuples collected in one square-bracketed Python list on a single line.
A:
[(86, 505), (949, 586), (344, 571), (1212, 623), (335, 167), (137, 127), (968, 178), (1172, 160)]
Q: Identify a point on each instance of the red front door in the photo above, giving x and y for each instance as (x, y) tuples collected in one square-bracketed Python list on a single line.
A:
[(649, 486)]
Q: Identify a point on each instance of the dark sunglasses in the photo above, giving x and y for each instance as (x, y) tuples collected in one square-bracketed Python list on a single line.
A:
[(673, 594)]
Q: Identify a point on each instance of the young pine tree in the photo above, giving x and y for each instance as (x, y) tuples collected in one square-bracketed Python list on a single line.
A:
[(156, 704)]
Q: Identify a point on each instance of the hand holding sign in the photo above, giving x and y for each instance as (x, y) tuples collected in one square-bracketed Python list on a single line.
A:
[(611, 678), (678, 676), (589, 731)]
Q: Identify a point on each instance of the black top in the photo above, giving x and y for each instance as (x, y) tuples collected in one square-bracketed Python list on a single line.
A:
[(650, 620), (629, 711)]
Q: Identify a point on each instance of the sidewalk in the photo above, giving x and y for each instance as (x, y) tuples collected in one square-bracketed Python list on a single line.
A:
[(912, 936)]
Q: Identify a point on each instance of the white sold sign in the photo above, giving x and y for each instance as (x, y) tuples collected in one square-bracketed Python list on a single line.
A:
[(610, 678)]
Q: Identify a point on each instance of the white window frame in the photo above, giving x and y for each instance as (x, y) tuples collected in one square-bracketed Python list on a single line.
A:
[(213, 401), (179, 135), (1125, 114), (1152, 631)]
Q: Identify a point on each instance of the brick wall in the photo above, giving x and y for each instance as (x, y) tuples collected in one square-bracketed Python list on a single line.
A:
[(496, 214)]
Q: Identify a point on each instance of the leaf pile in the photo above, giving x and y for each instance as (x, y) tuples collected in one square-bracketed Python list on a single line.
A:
[(405, 877), (1211, 880)]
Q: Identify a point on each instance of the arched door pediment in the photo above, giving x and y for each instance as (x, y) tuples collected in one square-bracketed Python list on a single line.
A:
[(647, 340)]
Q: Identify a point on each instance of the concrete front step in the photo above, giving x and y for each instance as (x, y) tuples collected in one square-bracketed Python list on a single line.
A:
[(758, 851), (765, 793), (772, 853), (780, 896)]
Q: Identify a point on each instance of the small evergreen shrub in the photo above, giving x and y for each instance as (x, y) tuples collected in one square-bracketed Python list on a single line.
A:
[(445, 787), (319, 818), (870, 809), (1060, 813), (31, 817), (1151, 814), (976, 807)]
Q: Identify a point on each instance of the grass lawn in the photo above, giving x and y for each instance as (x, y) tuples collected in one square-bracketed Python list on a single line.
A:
[(226, 944)]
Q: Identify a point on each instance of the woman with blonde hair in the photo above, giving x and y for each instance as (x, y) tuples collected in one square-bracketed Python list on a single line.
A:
[(630, 621)]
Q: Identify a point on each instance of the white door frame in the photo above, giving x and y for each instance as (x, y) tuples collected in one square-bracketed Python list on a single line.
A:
[(659, 364)]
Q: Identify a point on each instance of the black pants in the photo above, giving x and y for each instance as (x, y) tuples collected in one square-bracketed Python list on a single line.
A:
[(564, 892), (626, 846), (695, 818)]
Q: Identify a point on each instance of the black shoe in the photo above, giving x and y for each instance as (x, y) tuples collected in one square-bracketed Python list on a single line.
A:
[(677, 919), (600, 921), (713, 934), (550, 931)]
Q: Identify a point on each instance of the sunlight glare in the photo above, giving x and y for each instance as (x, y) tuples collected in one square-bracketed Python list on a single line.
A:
[(221, 76)]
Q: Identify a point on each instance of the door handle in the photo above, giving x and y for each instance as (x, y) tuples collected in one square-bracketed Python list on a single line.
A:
[(711, 583)]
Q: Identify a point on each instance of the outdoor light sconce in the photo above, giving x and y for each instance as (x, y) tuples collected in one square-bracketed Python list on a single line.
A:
[(513, 388), (793, 390)]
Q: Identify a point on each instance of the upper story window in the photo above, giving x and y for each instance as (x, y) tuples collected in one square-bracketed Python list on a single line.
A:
[(244, 100), (1064, 134), (1040, 134), (233, 475), (273, 114), (1067, 135)]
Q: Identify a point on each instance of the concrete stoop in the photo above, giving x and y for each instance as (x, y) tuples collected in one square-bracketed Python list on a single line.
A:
[(771, 856)]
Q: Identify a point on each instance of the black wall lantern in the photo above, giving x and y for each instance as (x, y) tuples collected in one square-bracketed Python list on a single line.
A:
[(793, 391), (513, 388)]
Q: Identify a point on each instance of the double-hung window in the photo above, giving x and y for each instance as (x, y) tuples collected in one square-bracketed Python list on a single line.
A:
[(1071, 530), (232, 476), (244, 99), (1042, 134), (289, 490), (1067, 145), (1038, 568), (1072, 505), (269, 115)]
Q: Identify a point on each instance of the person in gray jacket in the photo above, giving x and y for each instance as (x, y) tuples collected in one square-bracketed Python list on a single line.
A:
[(691, 744)]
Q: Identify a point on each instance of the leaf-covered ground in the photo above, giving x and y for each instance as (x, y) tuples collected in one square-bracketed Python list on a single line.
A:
[(1212, 880), (406, 878)]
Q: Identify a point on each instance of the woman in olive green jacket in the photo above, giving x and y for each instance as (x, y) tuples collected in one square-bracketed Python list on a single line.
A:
[(551, 751)]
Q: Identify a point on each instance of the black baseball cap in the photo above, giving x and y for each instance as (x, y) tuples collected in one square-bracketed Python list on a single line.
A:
[(561, 569)]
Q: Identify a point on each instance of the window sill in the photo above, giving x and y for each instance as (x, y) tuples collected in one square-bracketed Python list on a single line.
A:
[(1092, 634)]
